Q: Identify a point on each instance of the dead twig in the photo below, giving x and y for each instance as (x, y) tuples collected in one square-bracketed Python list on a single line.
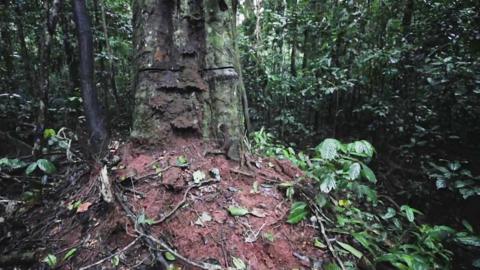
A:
[(184, 199), (111, 256), (205, 266), (317, 212), (242, 173), (141, 229), (156, 173)]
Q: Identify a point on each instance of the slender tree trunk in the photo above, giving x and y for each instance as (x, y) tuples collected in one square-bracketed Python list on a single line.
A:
[(94, 114), (30, 77), (70, 59), (113, 83), (293, 52), (238, 66), (6, 47), (306, 49), (51, 17)]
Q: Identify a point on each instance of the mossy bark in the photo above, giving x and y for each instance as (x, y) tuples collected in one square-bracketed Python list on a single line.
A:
[(184, 59)]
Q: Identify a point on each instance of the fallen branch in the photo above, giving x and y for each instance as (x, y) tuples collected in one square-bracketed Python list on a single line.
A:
[(316, 211), (142, 230), (205, 266), (184, 199), (242, 173), (105, 185), (111, 256)]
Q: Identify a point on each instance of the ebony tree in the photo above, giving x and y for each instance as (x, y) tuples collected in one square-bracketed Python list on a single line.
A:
[(186, 82)]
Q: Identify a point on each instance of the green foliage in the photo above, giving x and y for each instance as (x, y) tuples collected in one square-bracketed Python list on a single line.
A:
[(376, 230), (169, 256), (404, 74), (144, 219), (44, 165), (298, 212), (455, 178), (237, 211), (50, 260), (11, 164), (182, 161), (69, 254)]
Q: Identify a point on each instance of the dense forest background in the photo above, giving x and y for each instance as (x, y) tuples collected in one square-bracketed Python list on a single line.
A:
[(403, 75)]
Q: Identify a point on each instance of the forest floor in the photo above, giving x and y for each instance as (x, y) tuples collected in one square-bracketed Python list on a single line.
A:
[(204, 208)]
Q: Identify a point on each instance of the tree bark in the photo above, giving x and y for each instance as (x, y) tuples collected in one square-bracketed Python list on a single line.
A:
[(186, 81), (94, 114)]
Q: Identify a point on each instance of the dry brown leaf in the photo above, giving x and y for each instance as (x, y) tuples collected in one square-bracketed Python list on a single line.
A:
[(83, 207)]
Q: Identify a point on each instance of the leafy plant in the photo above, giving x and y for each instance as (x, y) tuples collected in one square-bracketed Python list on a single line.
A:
[(376, 230), (44, 165), (455, 178), (11, 164), (50, 260)]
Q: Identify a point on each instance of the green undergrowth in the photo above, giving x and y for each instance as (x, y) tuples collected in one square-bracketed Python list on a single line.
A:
[(365, 229)]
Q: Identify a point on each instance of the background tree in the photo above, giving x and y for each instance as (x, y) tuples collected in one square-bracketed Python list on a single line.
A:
[(96, 121)]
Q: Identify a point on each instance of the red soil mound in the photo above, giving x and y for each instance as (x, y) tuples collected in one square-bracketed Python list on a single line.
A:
[(201, 229)]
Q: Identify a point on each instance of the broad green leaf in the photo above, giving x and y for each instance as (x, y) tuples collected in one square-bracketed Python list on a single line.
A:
[(115, 261), (12, 164), (463, 183), (468, 240), (454, 165), (46, 166), (237, 211), (354, 171), (51, 260), (269, 236), (361, 148), (409, 212), (390, 213), (441, 183), (198, 176), (328, 183), (31, 168), (440, 232), (169, 256), (317, 243), (47, 133), (332, 266), (298, 212), (182, 161), (344, 203), (321, 200), (238, 263), (364, 239), (143, 219), (476, 263), (467, 225), (355, 252), (368, 174), (329, 149), (69, 254)]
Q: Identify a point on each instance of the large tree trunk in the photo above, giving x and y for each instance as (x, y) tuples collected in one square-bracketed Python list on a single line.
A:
[(95, 118), (187, 84)]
